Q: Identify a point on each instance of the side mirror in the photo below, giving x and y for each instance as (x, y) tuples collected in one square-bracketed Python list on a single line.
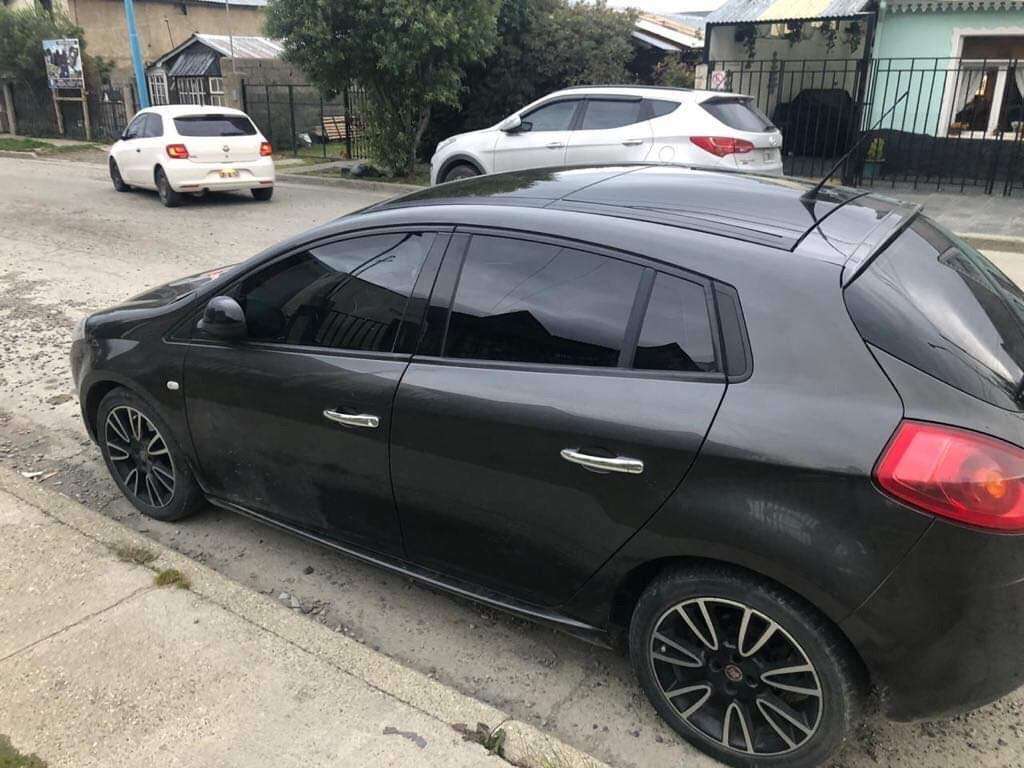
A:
[(511, 124), (223, 318)]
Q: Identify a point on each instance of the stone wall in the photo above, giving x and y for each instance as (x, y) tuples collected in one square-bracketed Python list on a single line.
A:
[(256, 72)]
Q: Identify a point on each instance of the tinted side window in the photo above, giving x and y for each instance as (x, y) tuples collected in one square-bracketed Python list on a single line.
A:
[(350, 294), (610, 114), (552, 117), (528, 302), (740, 114), (136, 128), (154, 126), (676, 332), (661, 107)]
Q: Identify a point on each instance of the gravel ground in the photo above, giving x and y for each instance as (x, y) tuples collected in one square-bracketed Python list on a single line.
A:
[(70, 245)]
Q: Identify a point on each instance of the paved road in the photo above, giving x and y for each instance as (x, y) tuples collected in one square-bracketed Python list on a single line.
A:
[(69, 245)]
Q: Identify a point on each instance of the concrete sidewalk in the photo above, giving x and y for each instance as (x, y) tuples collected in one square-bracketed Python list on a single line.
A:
[(101, 667)]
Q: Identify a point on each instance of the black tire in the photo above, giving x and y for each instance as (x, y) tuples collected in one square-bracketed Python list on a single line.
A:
[(460, 171), (115, 178), (735, 692), (168, 196), (263, 193), (125, 443)]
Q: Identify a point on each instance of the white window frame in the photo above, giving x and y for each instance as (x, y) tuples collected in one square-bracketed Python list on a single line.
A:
[(216, 91), (192, 90), (158, 92), (949, 106)]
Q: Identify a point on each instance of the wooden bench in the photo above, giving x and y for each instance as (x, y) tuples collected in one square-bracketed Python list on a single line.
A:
[(335, 128)]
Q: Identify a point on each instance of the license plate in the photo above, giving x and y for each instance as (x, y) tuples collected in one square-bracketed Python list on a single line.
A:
[(228, 173)]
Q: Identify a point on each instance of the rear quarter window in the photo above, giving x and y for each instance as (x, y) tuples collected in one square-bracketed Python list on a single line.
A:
[(214, 125), (740, 114), (934, 302)]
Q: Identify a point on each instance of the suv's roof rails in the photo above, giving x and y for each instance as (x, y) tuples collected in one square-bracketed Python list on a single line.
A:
[(625, 85)]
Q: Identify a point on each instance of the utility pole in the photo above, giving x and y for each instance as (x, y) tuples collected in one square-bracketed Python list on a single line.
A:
[(133, 40)]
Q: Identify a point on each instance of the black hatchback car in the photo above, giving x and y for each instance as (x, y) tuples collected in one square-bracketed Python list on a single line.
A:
[(767, 435)]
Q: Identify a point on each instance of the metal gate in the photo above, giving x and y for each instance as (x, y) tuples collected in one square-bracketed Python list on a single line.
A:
[(109, 114), (959, 127)]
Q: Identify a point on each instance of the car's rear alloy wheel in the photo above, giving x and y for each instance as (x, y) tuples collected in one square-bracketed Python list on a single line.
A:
[(168, 196), (143, 458), (736, 676), (140, 456), (743, 669)]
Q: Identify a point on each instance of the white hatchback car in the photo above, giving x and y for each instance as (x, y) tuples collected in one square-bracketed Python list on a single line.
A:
[(593, 125), (183, 148)]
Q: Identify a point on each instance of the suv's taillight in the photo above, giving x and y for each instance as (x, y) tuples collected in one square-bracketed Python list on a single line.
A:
[(722, 145), (266, 150), (956, 473), (178, 151)]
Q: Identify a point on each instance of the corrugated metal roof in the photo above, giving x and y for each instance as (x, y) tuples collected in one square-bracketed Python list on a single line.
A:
[(245, 46), (666, 33), (197, 62), (735, 11)]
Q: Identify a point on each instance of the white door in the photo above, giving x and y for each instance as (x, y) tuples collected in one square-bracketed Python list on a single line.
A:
[(152, 149), (541, 139), (613, 130), (126, 151)]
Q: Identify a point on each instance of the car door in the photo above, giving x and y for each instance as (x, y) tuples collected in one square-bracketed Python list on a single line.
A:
[(612, 130), (292, 422), (126, 151), (150, 149), (533, 434), (540, 140)]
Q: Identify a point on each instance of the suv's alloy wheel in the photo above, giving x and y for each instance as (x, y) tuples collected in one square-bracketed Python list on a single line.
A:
[(744, 670)]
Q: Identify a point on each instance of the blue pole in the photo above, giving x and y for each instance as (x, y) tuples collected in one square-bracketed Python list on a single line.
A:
[(133, 40)]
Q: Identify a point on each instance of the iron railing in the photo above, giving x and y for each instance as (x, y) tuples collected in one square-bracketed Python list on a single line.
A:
[(960, 126)]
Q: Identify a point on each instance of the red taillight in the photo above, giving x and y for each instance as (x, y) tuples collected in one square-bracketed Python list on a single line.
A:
[(955, 473), (177, 151), (722, 145), (266, 150)]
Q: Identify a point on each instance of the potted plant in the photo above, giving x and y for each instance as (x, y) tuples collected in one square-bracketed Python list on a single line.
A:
[(874, 158)]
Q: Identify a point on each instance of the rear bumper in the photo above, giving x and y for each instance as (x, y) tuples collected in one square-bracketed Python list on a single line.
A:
[(943, 634), (186, 176)]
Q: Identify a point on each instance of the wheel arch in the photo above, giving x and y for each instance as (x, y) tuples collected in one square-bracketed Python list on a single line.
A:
[(459, 159), (633, 583)]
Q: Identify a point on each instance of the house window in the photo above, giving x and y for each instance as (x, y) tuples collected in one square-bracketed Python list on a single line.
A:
[(216, 92), (988, 88), (192, 90), (158, 88)]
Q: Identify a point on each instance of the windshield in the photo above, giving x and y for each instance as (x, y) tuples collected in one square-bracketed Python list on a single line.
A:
[(933, 301)]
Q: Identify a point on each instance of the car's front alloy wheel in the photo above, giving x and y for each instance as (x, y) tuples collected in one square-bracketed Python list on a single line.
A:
[(742, 669)]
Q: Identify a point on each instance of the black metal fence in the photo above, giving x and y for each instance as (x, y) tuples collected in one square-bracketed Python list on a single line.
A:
[(297, 118), (960, 125)]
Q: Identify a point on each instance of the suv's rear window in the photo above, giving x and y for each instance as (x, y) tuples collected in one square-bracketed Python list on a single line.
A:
[(214, 125), (936, 303), (738, 113)]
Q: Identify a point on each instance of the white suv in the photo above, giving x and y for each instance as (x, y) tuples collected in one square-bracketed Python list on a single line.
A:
[(597, 125), (184, 148)]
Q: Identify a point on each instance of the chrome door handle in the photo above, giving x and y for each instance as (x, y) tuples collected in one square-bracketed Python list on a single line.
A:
[(353, 419), (555, 145), (603, 463), (632, 142)]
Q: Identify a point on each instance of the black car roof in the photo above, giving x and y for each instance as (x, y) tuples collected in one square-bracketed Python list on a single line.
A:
[(776, 212)]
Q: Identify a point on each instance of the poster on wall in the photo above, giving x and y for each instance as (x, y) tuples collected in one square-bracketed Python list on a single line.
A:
[(63, 63)]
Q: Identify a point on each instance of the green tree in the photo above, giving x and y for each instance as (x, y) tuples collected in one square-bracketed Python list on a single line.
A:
[(543, 45), (22, 32), (408, 55)]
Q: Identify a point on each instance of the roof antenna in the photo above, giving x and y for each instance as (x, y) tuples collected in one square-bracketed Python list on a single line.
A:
[(813, 191)]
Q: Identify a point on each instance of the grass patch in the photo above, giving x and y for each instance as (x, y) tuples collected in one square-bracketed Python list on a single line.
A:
[(23, 145), (12, 758), (172, 577), (133, 553), (491, 739)]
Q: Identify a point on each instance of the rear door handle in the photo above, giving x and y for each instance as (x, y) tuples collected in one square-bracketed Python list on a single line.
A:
[(604, 463), (555, 145), (353, 419), (632, 142)]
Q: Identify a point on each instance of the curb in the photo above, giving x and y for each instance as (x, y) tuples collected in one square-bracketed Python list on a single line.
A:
[(29, 153), (360, 184), (1004, 243), (525, 745)]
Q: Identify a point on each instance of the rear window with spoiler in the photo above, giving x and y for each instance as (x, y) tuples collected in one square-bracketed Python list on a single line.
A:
[(738, 112), (934, 302), (214, 125)]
